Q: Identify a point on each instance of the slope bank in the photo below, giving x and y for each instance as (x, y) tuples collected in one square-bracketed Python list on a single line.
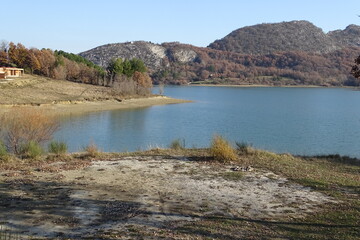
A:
[(64, 97)]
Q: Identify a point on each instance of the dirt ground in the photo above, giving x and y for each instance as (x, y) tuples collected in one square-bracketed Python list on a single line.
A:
[(64, 97), (150, 192)]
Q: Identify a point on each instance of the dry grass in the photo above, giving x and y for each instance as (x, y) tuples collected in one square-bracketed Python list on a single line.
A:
[(221, 150), (33, 89), (314, 171), (92, 150), (335, 176)]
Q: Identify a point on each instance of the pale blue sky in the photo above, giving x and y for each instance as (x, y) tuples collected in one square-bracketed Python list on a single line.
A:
[(78, 25)]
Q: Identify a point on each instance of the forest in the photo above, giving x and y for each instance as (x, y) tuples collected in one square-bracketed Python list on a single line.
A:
[(278, 68), (133, 79)]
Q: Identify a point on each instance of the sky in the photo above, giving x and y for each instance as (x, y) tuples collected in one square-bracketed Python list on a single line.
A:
[(79, 25)]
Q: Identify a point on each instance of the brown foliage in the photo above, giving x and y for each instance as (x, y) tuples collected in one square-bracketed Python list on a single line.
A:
[(285, 68), (355, 71), (143, 82), (45, 62), (24, 125)]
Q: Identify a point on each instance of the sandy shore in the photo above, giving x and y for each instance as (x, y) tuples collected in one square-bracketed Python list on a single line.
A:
[(143, 192), (79, 107)]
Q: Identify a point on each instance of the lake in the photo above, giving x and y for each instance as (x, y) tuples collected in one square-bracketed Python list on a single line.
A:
[(306, 121)]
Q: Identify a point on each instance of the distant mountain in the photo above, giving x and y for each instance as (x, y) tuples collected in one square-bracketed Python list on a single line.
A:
[(287, 36), (287, 53)]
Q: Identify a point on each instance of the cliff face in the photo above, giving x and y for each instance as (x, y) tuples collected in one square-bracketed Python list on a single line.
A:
[(291, 53)]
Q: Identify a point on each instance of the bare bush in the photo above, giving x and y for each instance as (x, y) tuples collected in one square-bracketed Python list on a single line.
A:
[(124, 86), (23, 125)]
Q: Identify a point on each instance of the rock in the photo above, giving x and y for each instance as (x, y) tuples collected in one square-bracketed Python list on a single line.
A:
[(243, 169)]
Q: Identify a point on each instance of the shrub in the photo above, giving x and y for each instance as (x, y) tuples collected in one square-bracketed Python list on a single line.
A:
[(91, 150), (221, 150), (24, 125), (243, 148), (31, 149), (57, 148), (177, 144)]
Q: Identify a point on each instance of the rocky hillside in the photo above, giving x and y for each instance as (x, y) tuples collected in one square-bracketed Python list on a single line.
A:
[(155, 56), (151, 54), (288, 53), (348, 37)]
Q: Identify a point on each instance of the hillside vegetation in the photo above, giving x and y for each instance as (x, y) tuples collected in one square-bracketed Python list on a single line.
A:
[(287, 36), (289, 53), (133, 78)]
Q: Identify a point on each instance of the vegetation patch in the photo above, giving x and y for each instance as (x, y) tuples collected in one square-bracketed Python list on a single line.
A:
[(221, 150), (335, 176), (58, 148)]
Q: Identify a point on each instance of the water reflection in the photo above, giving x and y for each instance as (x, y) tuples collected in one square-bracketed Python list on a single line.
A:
[(294, 120)]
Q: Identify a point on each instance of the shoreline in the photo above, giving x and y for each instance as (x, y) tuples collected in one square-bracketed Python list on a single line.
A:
[(80, 107), (267, 86)]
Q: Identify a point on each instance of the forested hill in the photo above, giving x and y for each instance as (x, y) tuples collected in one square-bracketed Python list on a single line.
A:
[(287, 36), (288, 53)]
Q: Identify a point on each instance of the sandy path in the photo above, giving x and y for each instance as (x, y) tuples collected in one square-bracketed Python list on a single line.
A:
[(147, 192)]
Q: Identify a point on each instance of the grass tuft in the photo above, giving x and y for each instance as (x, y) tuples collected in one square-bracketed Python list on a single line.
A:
[(221, 150), (92, 150), (244, 148), (177, 144), (58, 148), (31, 150), (4, 155)]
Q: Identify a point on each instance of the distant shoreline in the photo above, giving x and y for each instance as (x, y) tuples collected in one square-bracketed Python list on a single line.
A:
[(265, 86), (80, 107)]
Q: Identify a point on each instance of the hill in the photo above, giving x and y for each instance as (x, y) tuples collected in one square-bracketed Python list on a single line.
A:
[(287, 36), (268, 38), (287, 53)]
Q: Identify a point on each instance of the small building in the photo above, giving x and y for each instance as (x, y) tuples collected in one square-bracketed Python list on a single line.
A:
[(6, 72), (2, 75)]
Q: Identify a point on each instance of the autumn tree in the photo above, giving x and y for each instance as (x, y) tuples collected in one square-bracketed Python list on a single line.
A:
[(143, 82), (355, 71), (18, 54)]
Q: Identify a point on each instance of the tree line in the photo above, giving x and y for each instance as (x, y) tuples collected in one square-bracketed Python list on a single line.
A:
[(132, 79), (278, 68)]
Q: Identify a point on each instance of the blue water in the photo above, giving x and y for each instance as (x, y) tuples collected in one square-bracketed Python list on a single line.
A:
[(304, 121)]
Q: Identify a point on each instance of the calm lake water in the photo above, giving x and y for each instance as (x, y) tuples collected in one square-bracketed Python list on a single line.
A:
[(304, 121)]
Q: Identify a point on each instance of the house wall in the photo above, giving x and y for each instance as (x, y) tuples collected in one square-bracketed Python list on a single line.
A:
[(12, 72)]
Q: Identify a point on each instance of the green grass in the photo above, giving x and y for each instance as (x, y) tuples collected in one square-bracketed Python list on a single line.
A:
[(58, 148), (4, 154), (31, 150)]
